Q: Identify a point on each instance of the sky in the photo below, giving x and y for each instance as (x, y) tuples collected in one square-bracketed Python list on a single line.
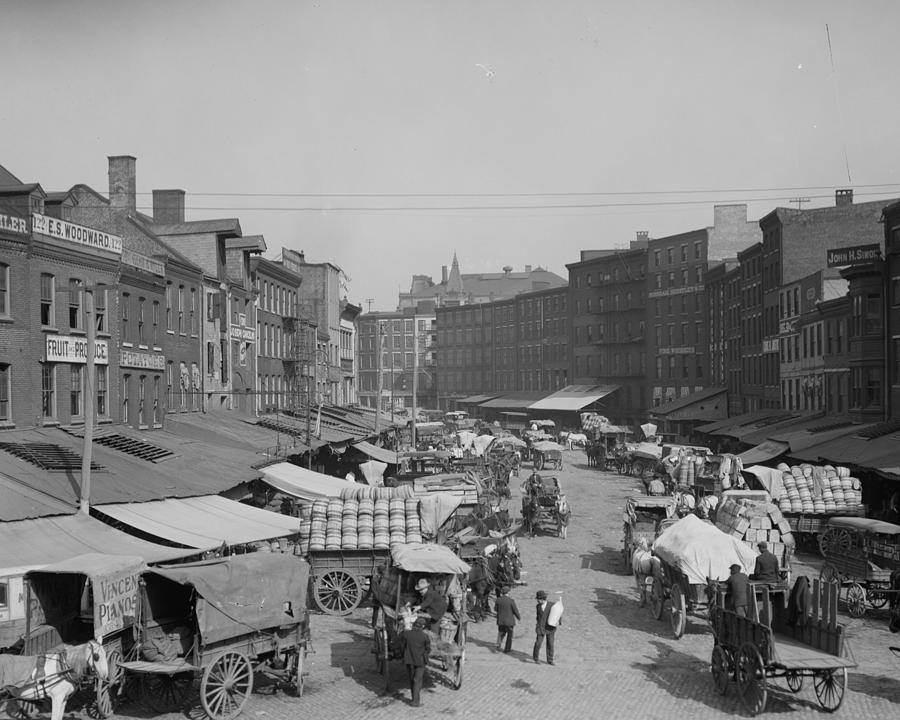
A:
[(386, 136)]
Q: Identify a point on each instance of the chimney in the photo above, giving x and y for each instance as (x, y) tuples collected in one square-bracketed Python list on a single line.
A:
[(528, 268), (123, 182), (168, 206), (643, 236), (843, 197), (444, 274)]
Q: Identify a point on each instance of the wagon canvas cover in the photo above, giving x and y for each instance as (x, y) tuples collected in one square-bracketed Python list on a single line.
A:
[(242, 594), (700, 550), (427, 558)]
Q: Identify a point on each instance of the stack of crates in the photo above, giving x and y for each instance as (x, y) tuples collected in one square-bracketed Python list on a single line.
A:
[(753, 517)]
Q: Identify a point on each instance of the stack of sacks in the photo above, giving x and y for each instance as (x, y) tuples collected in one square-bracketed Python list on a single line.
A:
[(754, 521), (819, 489)]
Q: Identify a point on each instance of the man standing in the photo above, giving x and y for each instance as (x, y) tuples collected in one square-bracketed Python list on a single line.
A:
[(738, 590), (766, 568), (543, 629), (507, 614), (416, 649)]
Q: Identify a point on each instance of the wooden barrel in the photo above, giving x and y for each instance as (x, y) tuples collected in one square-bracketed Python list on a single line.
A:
[(365, 540), (367, 506)]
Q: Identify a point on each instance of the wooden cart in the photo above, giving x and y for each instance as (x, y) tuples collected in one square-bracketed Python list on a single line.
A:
[(773, 642), (547, 454), (342, 578), (860, 554), (539, 503), (221, 621), (645, 518)]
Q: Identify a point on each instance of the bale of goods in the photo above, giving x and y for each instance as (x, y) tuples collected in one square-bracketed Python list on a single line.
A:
[(754, 520)]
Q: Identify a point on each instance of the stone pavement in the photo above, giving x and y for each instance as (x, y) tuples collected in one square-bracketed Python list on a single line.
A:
[(613, 659)]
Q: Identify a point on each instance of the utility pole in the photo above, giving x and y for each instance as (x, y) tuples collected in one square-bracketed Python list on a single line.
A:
[(415, 383), (85, 505), (380, 379), (799, 201)]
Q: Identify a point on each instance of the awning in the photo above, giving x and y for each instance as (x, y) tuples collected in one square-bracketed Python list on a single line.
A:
[(517, 401), (475, 399), (764, 451), (739, 432), (714, 428), (38, 542), (707, 404), (302, 483), (573, 397), (373, 451), (202, 522)]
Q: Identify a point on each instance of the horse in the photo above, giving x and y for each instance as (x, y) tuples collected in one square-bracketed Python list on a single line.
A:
[(56, 676), (491, 572), (563, 513), (531, 510), (894, 624), (642, 567)]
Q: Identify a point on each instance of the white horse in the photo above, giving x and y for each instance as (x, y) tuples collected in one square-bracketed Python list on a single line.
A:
[(563, 513), (56, 676)]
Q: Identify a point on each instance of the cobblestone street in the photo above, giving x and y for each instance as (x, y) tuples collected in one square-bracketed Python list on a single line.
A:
[(613, 659)]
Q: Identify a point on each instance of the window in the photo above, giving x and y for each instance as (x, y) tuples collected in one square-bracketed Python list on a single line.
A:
[(659, 281), (100, 310), (698, 250), (656, 258), (670, 255), (5, 373), (48, 391), (75, 303), (156, 400), (671, 278), (140, 322), (75, 390), (155, 320), (4, 289), (170, 304), (684, 253), (699, 271), (181, 309), (100, 378), (126, 383), (48, 293), (142, 388), (126, 321), (684, 277), (193, 319), (4, 595)]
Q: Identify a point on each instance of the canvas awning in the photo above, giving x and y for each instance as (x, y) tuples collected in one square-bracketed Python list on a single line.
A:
[(764, 451), (377, 453), (715, 428), (202, 522), (573, 397), (520, 401), (474, 399), (302, 483)]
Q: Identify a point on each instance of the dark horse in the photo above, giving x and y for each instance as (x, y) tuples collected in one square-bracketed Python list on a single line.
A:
[(531, 512), (502, 567), (895, 602)]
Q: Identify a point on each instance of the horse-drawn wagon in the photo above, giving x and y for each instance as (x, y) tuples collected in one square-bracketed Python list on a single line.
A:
[(395, 595), (862, 557), (543, 504), (793, 638), (221, 620), (645, 518), (546, 453)]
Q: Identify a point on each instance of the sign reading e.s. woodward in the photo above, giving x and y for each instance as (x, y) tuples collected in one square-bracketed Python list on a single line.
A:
[(115, 601), (857, 254), (63, 230)]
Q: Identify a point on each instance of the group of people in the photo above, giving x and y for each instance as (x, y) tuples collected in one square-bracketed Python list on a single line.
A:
[(764, 571)]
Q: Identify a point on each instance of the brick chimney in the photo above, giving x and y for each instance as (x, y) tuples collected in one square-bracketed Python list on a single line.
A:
[(168, 206), (444, 274), (843, 197), (123, 182), (528, 268)]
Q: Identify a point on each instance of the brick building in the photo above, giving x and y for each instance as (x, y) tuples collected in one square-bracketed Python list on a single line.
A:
[(890, 219), (750, 318)]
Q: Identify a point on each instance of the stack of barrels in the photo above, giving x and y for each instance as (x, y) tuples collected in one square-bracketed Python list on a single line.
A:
[(381, 524), (413, 524), (317, 525), (397, 507), (349, 515), (305, 528), (365, 524), (333, 518), (812, 489)]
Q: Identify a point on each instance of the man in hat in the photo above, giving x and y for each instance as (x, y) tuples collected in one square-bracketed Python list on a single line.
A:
[(738, 590), (507, 614), (416, 649), (543, 629), (766, 568), (432, 605)]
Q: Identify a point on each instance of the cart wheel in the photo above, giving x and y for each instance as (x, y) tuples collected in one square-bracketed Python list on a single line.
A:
[(459, 662), (226, 686), (834, 540), (539, 462), (657, 598), (24, 710), (678, 617), (337, 592), (856, 600), (382, 660), (830, 686), (794, 681), (294, 676), (165, 693), (108, 690), (876, 597), (829, 574), (751, 679), (719, 666)]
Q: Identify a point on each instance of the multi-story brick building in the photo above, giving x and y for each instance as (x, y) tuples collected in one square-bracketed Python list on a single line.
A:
[(717, 289), (750, 316), (835, 314), (891, 222), (866, 339)]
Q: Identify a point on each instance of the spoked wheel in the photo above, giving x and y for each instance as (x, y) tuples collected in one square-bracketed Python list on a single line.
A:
[(751, 679), (459, 662), (226, 686), (337, 592), (24, 710), (165, 693), (830, 686), (856, 600), (657, 598), (678, 617), (108, 690), (829, 574), (539, 462), (294, 676), (834, 540), (720, 667), (876, 597), (794, 681)]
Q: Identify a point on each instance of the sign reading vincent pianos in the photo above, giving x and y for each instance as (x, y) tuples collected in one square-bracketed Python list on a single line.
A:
[(115, 601), (63, 230)]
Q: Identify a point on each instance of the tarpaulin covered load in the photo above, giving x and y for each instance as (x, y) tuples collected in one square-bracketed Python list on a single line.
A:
[(241, 594), (546, 446), (435, 509), (700, 550), (427, 558)]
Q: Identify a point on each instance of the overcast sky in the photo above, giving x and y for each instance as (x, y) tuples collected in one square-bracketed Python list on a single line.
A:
[(291, 115)]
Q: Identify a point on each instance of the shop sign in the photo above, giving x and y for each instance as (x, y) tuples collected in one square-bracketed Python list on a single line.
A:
[(62, 230), (115, 601), (73, 349), (770, 345), (243, 333), (787, 327), (142, 262), (858, 254), (142, 360), (13, 224), (675, 350)]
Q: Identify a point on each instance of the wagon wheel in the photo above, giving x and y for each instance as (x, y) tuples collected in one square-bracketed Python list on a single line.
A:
[(856, 600), (720, 667), (294, 674), (165, 693), (657, 598), (539, 461), (794, 680), (226, 686), (459, 662), (24, 709), (382, 650), (678, 617), (107, 690), (834, 540), (876, 597), (337, 592), (830, 686), (830, 574), (751, 679)]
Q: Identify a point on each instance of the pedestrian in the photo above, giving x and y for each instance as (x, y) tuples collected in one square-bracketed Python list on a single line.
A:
[(766, 568), (507, 614), (738, 590), (416, 649), (543, 630)]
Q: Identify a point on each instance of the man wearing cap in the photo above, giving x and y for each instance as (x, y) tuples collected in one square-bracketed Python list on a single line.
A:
[(543, 629), (432, 605), (766, 568), (738, 590), (507, 614), (416, 649)]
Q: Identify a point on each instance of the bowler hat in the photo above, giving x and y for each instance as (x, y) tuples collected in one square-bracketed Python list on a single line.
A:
[(540, 595), (736, 567), (422, 584), (762, 545)]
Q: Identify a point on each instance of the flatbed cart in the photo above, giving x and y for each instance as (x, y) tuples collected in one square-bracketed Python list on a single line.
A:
[(341, 578)]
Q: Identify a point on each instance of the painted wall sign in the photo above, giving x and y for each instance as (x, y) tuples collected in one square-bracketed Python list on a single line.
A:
[(243, 333), (13, 224), (855, 255), (149, 361), (142, 262), (73, 349), (115, 601), (88, 237)]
